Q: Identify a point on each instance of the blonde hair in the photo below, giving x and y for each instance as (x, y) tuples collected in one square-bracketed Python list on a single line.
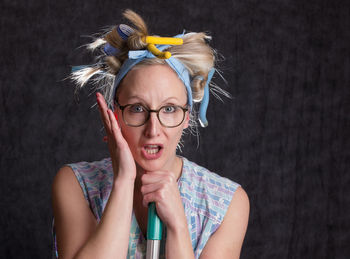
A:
[(195, 54)]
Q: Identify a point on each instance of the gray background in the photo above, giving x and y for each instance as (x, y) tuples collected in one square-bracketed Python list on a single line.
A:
[(284, 136)]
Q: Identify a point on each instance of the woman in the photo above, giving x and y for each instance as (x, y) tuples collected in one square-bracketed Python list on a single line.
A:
[(100, 208)]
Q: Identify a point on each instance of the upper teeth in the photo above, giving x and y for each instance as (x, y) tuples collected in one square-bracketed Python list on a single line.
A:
[(152, 149)]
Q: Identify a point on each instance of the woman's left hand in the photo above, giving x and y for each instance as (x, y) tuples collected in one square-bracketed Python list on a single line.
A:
[(161, 187)]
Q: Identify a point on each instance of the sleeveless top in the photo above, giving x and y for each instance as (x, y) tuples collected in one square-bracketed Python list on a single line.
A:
[(205, 197)]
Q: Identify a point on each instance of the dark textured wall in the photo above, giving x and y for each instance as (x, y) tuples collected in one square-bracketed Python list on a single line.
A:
[(284, 136)]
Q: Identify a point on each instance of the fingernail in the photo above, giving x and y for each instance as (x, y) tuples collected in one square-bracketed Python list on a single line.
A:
[(116, 115)]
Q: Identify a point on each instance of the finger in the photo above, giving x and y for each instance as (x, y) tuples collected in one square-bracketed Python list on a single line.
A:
[(156, 176), (115, 129), (103, 112), (101, 100), (113, 119), (152, 197), (149, 188), (161, 172)]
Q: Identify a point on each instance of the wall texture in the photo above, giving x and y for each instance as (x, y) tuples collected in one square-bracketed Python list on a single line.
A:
[(284, 136)]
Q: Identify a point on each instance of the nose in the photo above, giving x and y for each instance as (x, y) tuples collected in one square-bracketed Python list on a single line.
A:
[(153, 125)]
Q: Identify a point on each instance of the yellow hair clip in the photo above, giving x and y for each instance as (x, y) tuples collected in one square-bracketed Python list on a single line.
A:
[(159, 54), (162, 40), (152, 40)]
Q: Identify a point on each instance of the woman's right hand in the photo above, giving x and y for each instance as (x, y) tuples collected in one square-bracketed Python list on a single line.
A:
[(122, 160)]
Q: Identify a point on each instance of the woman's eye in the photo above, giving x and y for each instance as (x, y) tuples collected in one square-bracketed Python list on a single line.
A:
[(137, 108), (169, 109)]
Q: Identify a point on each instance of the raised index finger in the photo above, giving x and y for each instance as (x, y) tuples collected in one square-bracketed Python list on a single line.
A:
[(103, 112)]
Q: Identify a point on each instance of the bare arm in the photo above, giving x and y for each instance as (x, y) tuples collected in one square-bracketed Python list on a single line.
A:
[(226, 242), (178, 243), (78, 234)]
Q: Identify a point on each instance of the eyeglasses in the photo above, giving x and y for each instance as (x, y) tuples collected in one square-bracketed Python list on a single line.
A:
[(136, 115)]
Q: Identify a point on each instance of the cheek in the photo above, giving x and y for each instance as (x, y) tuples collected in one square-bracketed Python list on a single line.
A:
[(131, 136), (187, 120), (175, 137)]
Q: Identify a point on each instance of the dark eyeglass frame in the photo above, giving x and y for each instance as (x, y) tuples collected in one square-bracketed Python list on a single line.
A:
[(122, 108)]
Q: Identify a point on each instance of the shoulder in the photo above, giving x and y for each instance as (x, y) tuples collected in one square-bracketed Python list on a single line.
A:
[(89, 169), (87, 175), (65, 185), (239, 208), (64, 180), (93, 175), (70, 176)]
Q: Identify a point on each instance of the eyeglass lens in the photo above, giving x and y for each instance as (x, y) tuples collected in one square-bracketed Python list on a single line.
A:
[(169, 116)]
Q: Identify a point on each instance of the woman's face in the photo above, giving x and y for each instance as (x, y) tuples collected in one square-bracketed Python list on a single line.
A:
[(153, 146)]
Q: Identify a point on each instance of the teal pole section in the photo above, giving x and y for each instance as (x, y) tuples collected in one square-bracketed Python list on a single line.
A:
[(154, 224)]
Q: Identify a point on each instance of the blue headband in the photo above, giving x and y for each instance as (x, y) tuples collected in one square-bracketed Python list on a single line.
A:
[(205, 101), (136, 56)]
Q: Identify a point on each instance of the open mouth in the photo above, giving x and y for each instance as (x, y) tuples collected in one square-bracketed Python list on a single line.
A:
[(152, 151)]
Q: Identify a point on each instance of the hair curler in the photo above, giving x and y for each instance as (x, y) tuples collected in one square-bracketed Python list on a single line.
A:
[(154, 232), (152, 40), (122, 35)]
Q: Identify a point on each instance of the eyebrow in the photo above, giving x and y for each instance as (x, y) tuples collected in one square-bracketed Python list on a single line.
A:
[(164, 101)]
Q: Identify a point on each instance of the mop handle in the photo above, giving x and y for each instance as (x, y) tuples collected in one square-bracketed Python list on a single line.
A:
[(154, 232)]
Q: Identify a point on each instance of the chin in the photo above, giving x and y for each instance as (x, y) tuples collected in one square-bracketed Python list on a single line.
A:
[(151, 165), (156, 162), (156, 158)]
